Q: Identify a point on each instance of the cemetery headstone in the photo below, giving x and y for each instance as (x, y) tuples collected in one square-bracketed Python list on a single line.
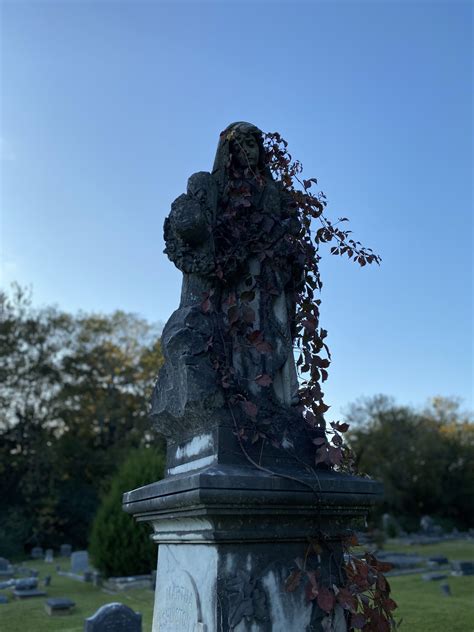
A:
[(445, 590), (3, 599), (49, 556), (463, 568), (426, 524), (97, 579), (438, 560), (7, 584), (37, 553), (28, 583), (79, 562), (433, 577), (114, 617), (65, 550), (47, 580), (27, 588), (6, 569), (59, 606)]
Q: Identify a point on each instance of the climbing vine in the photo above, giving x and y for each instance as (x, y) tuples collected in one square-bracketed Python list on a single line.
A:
[(362, 591)]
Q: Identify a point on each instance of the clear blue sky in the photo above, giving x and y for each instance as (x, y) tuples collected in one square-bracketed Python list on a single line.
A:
[(108, 107)]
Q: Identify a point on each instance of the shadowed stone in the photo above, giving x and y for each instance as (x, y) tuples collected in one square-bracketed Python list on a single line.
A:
[(37, 552), (59, 606), (114, 617)]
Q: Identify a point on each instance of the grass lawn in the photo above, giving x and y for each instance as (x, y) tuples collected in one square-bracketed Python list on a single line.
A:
[(453, 549), (422, 607), (29, 614)]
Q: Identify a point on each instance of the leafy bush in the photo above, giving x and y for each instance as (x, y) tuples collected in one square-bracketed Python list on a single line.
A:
[(118, 545)]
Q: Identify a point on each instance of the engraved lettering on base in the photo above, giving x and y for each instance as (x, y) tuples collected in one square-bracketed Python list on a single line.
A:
[(178, 608)]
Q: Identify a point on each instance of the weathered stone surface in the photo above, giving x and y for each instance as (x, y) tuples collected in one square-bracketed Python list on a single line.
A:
[(235, 532), (438, 560), (26, 584), (188, 397), (79, 562), (37, 553), (65, 550), (114, 617), (4, 564), (49, 556), (28, 594), (132, 581), (462, 567), (59, 606), (230, 518)]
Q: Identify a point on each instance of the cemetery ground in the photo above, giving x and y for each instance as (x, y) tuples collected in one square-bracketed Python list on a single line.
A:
[(422, 606), (16, 616)]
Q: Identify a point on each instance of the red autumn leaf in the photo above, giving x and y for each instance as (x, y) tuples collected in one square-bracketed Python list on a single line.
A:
[(293, 581), (347, 599), (309, 325), (358, 621), (326, 599), (383, 567), (264, 347), (340, 427), (321, 455), (335, 455), (255, 336), (250, 408), (247, 296), (311, 591), (248, 315), (206, 305), (263, 380)]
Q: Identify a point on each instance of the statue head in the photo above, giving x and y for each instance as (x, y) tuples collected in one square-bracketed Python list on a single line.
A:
[(241, 143)]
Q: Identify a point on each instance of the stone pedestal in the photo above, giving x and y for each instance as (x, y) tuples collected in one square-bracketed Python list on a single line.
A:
[(229, 534)]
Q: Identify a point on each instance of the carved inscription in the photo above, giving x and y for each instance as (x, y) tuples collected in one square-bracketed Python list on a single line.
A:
[(178, 613)]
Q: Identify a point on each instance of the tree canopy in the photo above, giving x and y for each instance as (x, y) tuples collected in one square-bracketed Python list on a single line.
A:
[(425, 458), (74, 394)]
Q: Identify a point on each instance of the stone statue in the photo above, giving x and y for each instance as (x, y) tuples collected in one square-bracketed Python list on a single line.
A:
[(233, 235)]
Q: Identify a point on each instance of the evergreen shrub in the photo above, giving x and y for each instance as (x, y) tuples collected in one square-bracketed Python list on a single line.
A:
[(118, 545)]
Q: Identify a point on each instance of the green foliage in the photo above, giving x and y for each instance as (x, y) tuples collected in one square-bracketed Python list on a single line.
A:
[(74, 394), (118, 545), (425, 459)]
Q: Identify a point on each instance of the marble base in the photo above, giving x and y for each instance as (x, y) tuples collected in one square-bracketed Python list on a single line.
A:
[(229, 536)]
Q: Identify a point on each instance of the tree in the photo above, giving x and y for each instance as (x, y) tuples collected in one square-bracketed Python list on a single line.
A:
[(74, 394), (118, 546), (425, 459)]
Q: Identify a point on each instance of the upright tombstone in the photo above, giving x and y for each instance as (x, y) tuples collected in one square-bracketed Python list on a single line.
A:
[(37, 552), (79, 562), (65, 550), (6, 569), (114, 617), (241, 498), (49, 556)]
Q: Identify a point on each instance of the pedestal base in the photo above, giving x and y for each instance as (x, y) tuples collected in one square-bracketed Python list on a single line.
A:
[(229, 537)]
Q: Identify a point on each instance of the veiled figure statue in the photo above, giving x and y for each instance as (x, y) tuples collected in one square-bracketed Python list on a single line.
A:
[(233, 234)]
